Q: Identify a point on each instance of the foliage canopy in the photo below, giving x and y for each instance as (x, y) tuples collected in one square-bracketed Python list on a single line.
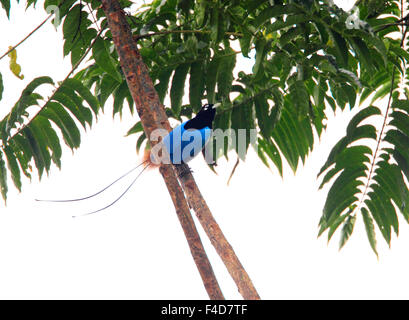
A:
[(309, 58)]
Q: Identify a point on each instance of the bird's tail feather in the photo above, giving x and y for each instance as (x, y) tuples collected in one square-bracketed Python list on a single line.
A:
[(117, 199), (100, 191)]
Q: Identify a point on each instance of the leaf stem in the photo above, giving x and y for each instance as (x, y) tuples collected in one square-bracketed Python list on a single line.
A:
[(380, 137)]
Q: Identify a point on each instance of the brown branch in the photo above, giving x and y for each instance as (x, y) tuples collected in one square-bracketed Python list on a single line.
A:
[(153, 116), (216, 236), (191, 234)]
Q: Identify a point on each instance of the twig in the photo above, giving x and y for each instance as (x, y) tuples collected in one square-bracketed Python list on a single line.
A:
[(94, 20), (26, 37), (380, 138), (234, 170)]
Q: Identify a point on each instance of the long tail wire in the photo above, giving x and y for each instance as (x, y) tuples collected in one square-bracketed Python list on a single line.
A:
[(102, 190), (95, 194), (117, 199)]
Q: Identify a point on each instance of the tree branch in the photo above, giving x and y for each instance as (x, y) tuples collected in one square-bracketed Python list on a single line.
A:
[(153, 116), (191, 234), (216, 236)]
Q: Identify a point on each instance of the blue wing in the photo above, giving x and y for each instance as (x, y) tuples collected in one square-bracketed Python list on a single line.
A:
[(183, 145)]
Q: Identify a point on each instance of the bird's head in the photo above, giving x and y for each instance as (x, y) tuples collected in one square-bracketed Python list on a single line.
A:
[(204, 117), (208, 111)]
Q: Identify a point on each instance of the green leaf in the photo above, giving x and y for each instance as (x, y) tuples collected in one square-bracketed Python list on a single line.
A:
[(334, 226), (140, 141), (363, 53), (105, 88), (196, 85), (401, 121), (290, 35), (398, 139), (137, 127), (346, 231), (211, 78), (34, 84), (104, 60), (1, 86), (84, 92), (242, 119), (225, 75), (51, 139), (55, 112), (222, 121), (13, 166), (40, 158), (300, 98), (262, 113), (71, 22), (3, 178), (177, 89), (82, 114), (261, 51), (80, 47), (267, 146), (385, 229), (162, 86), (6, 6), (23, 153), (370, 228), (340, 46), (41, 145), (360, 116), (120, 93), (245, 42)]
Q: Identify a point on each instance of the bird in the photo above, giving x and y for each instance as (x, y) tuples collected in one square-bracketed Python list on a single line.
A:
[(181, 145), (186, 140)]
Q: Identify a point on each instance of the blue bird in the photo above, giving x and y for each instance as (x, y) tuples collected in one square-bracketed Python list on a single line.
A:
[(189, 138), (182, 144)]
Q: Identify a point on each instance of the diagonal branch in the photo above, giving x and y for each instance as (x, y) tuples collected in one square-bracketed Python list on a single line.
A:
[(153, 116), (27, 36)]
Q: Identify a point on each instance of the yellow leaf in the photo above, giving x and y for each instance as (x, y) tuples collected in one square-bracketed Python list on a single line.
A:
[(14, 66), (330, 43)]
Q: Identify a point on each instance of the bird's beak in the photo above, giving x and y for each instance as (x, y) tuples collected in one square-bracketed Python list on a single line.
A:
[(216, 105)]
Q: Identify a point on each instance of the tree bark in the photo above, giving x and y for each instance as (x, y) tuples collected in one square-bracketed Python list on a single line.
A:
[(192, 236), (153, 116), (216, 236)]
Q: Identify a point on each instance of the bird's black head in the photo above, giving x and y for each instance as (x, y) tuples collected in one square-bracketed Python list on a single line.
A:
[(204, 118)]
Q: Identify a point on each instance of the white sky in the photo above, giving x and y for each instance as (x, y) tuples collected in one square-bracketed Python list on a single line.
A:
[(137, 250)]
